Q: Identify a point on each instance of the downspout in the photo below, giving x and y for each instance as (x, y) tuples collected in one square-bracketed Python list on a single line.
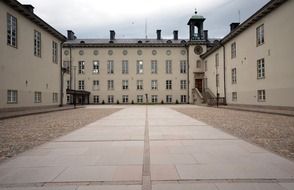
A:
[(224, 57), (70, 68), (61, 76), (188, 72)]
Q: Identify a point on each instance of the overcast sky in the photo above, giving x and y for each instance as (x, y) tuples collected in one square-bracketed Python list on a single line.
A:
[(94, 18)]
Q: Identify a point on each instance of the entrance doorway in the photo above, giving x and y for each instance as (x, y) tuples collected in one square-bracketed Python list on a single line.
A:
[(198, 84)]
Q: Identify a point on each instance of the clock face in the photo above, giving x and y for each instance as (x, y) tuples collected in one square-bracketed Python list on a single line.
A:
[(198, 50)]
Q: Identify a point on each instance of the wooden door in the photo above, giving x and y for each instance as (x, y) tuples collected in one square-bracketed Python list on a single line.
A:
[(198, 84)]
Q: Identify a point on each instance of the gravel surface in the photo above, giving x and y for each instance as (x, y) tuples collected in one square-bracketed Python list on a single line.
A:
[(22, 133), (273, 132)]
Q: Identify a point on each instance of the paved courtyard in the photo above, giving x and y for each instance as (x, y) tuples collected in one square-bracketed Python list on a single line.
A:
[(147, 147)]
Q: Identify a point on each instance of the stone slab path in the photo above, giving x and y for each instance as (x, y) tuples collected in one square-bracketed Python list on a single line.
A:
[(147, 147)]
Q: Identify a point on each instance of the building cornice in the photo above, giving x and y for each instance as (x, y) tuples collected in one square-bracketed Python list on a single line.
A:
[(34, 18)]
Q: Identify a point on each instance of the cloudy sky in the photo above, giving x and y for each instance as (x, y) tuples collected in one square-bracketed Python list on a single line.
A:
[(94, 18)]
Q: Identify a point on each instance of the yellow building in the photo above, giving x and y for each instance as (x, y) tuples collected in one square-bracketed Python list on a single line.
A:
[(30, 62)]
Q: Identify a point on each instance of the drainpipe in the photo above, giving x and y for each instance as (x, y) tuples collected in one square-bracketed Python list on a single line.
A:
[(61, 76), (188, 72), (224, 57)]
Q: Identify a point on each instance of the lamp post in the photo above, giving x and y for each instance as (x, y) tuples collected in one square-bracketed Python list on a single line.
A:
[(74, 95)]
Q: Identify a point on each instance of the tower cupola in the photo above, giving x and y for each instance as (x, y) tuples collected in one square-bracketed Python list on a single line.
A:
[(196, 27)]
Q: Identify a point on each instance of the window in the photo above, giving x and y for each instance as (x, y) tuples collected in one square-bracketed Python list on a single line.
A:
[(38, 97), (54, 52), (68, 99), (183, 98), (125, 99), (261, 95), (168, 84), (168, 67), (96, 99), (125, 67), (217, 80), (125, 84), (153, 67), (139, 84), (183, 67), (169, 99), (37, 43), (139, 67), (81, 67), (234, 96), (260, 35), (260, 69), (55, 97), (95, 84), (67, 84), (81, 85), (216, 60), (139, 98), (183, 84), (154, 98), (234, 76), (11, 30), (110, 67), (110, 99), (154, 85), (12, 96), (198, 64), (205, 65), (96, 69), (110, 85), (233, 50)]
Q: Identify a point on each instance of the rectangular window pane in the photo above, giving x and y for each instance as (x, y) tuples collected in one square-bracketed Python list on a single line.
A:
[(96, 99), (125, 99), (168, 67), (139, 98), (54, 52), (37, 43), (81, 67), (260, 35), (233, 50), (110, 85), (154, 85), (168, 84), (183, 67), (261, 95), (234, 76), (169, 99), (110, 99), (260, 69), (139, 84), (12, 96), (139, 67), (38, 97), (234, 96), (125, 67), (81, 85), (96, 68), (11, 30), (95, 84), (183, 84), (125, 84), (110, 67), (154, 67)]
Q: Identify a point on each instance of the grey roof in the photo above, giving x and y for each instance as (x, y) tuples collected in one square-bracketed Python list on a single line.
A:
[(134, 42), (34, 18)]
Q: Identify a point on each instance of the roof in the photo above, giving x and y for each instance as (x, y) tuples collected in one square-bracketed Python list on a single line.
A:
[(266, 9), (34, 18), (131, 43)]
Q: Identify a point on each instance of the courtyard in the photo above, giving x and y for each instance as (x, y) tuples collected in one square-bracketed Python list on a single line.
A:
[(147, 147)]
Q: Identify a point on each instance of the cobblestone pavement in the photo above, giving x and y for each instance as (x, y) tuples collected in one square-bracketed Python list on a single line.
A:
[(270, 131), (147, 147), (22, 133)]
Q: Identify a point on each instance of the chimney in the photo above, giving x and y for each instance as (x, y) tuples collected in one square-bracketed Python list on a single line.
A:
[(70, 35), (29, 8), (176, 36), (112, 35), (205, 33), (234, 25), (158, 32)]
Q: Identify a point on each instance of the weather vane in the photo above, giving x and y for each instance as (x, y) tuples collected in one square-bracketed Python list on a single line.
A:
[(195, 11)]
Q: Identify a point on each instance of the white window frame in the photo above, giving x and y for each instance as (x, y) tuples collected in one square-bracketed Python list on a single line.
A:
[(125, 98), (37, 43), (110, 85), (125, 67), (139, 84), (168, 66), (168, 84), (234, 96), (81, 69), (169, 99), (233, 50), (140, 67), (153, 66), (38, 97), (12, 96), (183, 67), (261, 68), (260, 35), (54, 52), (110, 99), (261, 95), (140, 98), (110, 67), (96, 67), (183, 84), (125, 84), (81, 84), (96, 85), (234, 76), (96, 99), (183, 98), (11, 30), (154, 85), (154, 99)]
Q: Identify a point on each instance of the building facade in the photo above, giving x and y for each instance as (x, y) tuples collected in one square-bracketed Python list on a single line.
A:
[(30, 71), (254, 61), (252, 65)]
